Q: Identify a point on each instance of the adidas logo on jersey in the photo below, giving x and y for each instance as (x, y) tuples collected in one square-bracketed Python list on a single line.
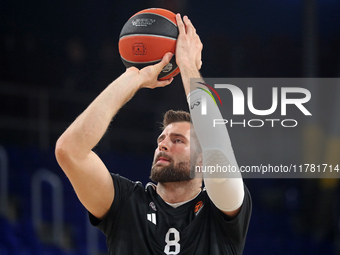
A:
[(152, 217)]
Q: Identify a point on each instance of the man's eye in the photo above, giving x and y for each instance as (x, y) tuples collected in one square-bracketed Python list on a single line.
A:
[(178, 141)]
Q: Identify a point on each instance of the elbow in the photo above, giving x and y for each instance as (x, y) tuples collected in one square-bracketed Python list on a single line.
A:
[(70, 153), (63, 152), (60, 150)]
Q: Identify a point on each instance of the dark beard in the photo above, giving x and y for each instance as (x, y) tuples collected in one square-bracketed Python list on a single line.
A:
[(171, 173)]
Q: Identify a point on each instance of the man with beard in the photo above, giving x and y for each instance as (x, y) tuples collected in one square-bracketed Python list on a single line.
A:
[(176, 216)]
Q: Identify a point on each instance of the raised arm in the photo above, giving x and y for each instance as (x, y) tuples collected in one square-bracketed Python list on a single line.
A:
[(87, 173), (225, 191)]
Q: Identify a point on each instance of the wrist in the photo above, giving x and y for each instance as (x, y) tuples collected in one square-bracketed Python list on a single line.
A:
[(132, 78), (187, 73), (188, 66), (190, 72)]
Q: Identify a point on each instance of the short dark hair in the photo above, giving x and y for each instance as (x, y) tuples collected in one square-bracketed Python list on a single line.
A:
[(172, 116)]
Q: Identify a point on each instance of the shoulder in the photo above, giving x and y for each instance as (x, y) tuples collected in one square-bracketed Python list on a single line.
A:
[(126, 190), (129, 195), (125, 183)]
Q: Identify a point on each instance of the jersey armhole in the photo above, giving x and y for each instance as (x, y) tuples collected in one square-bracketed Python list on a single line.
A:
[(245, 210), (113, 207), (123, 188)]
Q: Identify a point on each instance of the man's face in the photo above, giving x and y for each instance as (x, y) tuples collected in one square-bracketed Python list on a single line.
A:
[(172, 156)]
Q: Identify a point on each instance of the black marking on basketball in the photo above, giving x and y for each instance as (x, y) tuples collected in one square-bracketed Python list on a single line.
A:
[(151, 35), (160, 15), (141, 65), (151, 24), (128, 63)]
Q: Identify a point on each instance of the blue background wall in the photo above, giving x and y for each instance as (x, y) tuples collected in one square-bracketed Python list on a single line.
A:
[(68, 50)]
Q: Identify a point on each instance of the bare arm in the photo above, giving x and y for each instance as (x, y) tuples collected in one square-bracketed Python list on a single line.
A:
[(87, 173)]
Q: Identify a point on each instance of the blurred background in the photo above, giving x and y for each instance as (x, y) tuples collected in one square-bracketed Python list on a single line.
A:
[(56, 56)]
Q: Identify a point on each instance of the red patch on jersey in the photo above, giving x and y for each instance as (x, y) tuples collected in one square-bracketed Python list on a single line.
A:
[(198, 206)]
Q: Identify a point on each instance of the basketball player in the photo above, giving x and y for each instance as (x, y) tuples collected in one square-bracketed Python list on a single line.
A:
[(176, 216)]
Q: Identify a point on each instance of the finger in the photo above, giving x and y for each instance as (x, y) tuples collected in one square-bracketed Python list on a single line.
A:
[(165, 60), (180, 24), (165, 82), (199, 53), (189, 26)]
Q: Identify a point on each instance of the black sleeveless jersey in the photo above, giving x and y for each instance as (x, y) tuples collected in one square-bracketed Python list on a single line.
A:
[(139, 222)]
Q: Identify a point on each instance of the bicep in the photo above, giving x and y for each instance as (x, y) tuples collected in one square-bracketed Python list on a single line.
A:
[(91, 181)]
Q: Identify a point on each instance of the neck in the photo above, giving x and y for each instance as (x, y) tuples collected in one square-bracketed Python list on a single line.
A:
[(176, 192)]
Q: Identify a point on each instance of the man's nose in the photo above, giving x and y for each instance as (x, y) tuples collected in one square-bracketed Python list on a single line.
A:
[(163, 145)]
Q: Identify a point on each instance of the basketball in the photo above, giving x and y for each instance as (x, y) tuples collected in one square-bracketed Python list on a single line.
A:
[(146, 37)]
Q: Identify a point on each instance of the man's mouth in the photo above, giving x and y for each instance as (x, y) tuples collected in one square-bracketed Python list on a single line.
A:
[(162, 159)]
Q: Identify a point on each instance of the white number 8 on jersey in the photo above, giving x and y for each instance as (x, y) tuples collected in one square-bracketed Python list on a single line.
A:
[(172, 247)]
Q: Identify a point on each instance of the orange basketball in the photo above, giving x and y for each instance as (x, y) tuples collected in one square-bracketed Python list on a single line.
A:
[(146, 37)]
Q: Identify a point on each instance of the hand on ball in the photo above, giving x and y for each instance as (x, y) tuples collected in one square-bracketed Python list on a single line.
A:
[(189, 46)]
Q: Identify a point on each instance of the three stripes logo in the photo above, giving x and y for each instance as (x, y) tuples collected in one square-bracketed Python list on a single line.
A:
[(152, 217)]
